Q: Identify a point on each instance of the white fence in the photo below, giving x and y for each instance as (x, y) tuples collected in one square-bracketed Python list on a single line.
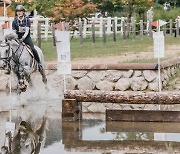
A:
[(109, 22), (87, 25), (46, 30)]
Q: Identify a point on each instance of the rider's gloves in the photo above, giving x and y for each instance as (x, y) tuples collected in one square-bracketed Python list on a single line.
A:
[(21, 40)]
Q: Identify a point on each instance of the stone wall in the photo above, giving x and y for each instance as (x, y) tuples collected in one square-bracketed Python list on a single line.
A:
[(135, 77)]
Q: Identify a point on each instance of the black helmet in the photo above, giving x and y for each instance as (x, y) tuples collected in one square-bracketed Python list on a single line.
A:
[(20, 8)]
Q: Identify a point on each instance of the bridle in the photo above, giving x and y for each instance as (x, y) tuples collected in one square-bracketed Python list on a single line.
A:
[(8, 58), (11, 54)]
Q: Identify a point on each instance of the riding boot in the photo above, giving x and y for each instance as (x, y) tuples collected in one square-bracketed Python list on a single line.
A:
[(36, 56)]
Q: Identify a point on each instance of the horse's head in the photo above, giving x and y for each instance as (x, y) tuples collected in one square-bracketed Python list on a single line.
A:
[(11, 38), (28, 139), (5, 49), (4, 55)]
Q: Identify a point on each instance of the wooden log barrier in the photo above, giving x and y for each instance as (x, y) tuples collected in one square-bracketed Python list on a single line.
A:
[(143, 115), (153, 127), (71, 110), (124, 97)]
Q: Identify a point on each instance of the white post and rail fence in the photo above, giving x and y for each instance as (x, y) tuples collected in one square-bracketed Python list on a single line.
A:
[(99, 27)]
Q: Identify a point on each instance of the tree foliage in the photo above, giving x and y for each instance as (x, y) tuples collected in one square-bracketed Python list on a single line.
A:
[(42, 6), (108, 7), (60, 10), (138, 6), (68, 10)]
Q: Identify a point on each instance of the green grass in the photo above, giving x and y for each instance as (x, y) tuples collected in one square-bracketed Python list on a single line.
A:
[(99, 49)]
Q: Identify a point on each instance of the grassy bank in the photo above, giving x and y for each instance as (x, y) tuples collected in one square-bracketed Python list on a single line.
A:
[(99, 49)]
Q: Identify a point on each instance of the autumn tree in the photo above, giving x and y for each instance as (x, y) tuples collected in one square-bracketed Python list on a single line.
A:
[(68, 10), (61, 10)]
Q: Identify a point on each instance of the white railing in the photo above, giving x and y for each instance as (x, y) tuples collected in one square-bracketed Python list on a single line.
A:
[(46, 30), (87, 25), (109, 22)]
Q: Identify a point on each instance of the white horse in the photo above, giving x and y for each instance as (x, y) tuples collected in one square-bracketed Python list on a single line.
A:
[(18, 57)]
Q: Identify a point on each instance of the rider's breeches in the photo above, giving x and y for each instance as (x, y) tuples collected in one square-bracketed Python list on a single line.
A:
[(29, 42)]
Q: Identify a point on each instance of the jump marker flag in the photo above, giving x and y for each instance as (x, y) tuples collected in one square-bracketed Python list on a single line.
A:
[(158, 23)]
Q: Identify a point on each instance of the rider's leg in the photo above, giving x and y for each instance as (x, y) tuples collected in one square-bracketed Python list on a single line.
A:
[(29, 41)]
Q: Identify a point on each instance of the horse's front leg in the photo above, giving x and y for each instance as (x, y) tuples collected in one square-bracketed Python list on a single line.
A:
[(44, 79), (28, 79)]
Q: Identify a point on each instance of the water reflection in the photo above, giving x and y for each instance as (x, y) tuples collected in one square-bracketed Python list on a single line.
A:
[(40, 130), (121, 137), (27, 129)]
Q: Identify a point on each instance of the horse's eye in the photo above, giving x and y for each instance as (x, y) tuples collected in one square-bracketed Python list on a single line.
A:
[(6, 51)]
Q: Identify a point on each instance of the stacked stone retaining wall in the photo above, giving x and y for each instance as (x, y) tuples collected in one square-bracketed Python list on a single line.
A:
[(122, 77), (118, 77)]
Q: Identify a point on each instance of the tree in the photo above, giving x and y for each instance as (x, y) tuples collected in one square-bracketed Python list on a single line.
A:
[(39, 5), (108, 7), (60, 10), (133, 6), (68, 10)]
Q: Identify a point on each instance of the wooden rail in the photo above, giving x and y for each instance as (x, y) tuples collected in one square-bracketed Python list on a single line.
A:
[(123, 97), (72, 104)]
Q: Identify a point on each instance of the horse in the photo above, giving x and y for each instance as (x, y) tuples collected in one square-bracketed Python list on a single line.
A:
[(17, 56)]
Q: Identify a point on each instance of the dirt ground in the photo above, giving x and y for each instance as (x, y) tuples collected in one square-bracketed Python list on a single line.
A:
[(170, 52)]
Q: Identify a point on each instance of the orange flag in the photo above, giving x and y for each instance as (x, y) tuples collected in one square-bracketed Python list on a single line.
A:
[(158, 23), (5, 25), (155, 23)]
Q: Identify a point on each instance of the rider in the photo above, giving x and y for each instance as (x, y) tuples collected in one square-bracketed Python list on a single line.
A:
[(21, 25)]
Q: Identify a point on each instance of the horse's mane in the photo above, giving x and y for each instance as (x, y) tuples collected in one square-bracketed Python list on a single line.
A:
[(11, 36)]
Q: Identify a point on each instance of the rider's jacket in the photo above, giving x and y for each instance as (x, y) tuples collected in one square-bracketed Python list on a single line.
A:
[(20, 26)]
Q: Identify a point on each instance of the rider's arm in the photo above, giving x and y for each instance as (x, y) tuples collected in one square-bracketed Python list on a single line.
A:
[(27, 28), (26, 33)]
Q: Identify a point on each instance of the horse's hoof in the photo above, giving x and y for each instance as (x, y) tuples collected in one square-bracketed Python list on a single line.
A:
[(23, 90), (23, 87), (44, 80)]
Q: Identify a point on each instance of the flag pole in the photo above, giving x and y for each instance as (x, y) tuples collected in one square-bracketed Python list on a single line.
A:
[(159, 66)]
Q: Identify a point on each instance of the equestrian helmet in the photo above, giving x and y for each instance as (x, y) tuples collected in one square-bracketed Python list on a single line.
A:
[(20, 8)]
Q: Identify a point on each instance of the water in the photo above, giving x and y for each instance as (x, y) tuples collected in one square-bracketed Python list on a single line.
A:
[(92, 135)]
